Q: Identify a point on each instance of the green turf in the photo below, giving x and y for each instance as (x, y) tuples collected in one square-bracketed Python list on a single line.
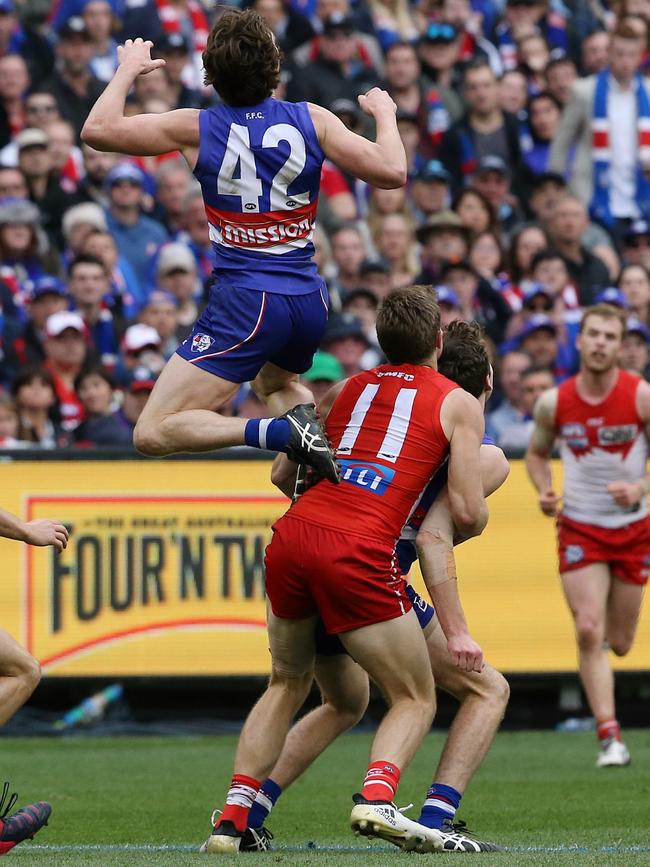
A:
[(535, 790)]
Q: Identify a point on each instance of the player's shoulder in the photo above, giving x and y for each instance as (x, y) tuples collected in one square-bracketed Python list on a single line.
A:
[(642, 399)]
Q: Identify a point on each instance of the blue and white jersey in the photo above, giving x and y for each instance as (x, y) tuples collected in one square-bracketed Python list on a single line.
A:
[(259, 168), (405, 549)]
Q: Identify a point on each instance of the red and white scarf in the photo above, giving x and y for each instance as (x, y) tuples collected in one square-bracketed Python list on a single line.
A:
[(171, 19)]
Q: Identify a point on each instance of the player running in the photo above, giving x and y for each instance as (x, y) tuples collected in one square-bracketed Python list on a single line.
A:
[(344, 685), (333, 556), (20, 674), (601, 418), (258, 161)]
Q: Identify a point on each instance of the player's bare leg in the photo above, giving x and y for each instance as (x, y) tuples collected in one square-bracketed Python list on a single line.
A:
[(20, 674), (292, 647), (623, 610), (483, 698), (395, 656), (182, 415), (587, 591), (280, 389)]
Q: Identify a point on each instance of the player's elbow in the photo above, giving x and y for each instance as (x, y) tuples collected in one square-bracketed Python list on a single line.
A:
[(391, 177), (469, 516), (92, 134)]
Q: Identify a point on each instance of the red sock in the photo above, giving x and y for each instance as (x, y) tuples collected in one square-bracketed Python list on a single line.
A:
[(610, 728), (241, 794), (381, 782)]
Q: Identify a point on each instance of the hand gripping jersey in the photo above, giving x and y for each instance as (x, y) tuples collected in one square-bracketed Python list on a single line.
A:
[(385, 428), (259, 168), (600, 443)]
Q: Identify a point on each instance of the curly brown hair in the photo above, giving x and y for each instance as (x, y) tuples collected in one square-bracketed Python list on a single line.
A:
[(242, 59), (464, 358), (408, 323)]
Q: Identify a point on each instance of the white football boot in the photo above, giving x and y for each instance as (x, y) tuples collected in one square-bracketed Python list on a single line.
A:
[(384, 820), (613, 754)]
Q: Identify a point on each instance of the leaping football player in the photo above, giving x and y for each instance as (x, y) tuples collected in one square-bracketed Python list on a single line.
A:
[(601, 418), (20, 674), (258, 160)]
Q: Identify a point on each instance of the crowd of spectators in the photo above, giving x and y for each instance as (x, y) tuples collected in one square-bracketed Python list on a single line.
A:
[(526, 124)]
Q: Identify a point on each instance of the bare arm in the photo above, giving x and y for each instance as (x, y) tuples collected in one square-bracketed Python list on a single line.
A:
[(43, 532), (381, 163), (462, 421), (628, 494), (538, 456), (107, 129)]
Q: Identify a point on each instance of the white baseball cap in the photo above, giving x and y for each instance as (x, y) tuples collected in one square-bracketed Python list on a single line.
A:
[(57, 323), (136, 337)]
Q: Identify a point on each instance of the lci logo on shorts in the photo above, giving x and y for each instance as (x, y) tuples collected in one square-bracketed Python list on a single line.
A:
[(574, 554), (373, 477), (201, 342)]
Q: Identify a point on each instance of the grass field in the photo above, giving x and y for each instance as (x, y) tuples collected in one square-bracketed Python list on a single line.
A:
[(121, 801)]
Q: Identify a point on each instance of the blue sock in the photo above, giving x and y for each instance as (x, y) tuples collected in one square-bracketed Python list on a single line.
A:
[(441, 803), (267, 433), (263, 803)]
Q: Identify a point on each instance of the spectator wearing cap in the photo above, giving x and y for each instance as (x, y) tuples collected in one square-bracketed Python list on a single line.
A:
[(95, 389), (608, 121), (101, 23), (450, 307), (66, 348), (535, 380), (538, 338), (88, 285), (47, 295), (79, 222), (125, 295), (507, 401), (614, 296), (345, 339), (141, 347), (472, 24), (636, 244), (17, 38), (492, 179), (177, 274), (174, 48), (189, 18), (521, 17), (325, 371), (565, 229), (291, 28), (484, 130), (443, 238), (635, 349), (439, 49), (348, 252), (341, 68), (39, 413), (137, 385), (549, 268), (478, 300), (362, 28), (374, 275), (160, 312), (475, 212), (44, 182), (364, 304), (74, 86), (634, 282), (137, 236), (430, 190), (14, 83), (21, 243)]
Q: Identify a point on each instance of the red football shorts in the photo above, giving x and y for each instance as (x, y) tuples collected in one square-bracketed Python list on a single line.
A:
[(348, 580), (626, 550)]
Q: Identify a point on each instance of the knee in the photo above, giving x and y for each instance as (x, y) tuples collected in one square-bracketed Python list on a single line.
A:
[(589, 635), (349, 705), (147, 440), (620, 644), (294, 686), (30, 672), (498, 690)]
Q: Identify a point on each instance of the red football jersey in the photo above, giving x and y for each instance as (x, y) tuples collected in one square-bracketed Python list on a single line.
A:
[(385, 428)]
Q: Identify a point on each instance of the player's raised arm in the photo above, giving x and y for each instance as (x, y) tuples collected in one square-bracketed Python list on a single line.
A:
[(538, 455), (461, 417), (107, 129), (43, 532), (381, 163)]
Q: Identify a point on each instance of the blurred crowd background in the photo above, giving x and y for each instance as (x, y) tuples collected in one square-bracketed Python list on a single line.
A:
[(527, 129)]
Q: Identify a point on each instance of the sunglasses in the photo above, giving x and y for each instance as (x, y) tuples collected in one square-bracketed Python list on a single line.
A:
[(437, 32)]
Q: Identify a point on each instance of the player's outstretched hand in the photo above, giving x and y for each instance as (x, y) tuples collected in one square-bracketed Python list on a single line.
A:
[(625, 494), (465, 653), (376, 101), (135, 55), (548, 502), (46, 532)]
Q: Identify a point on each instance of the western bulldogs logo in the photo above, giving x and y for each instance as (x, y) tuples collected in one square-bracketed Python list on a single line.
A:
[(201, 342)]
